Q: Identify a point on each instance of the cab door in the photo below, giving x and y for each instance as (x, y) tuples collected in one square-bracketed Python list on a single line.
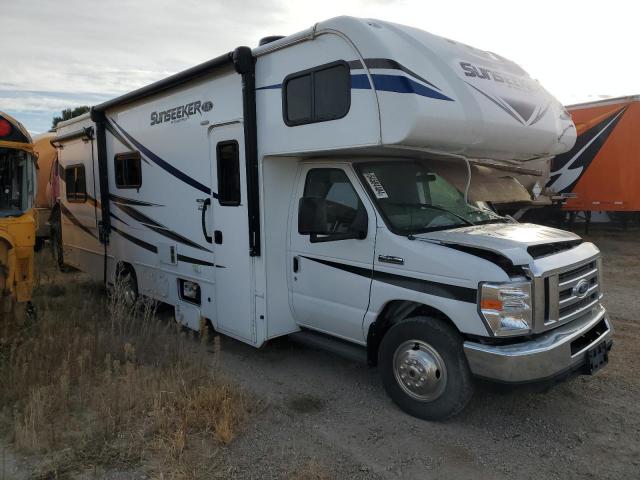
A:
[(331, 249)]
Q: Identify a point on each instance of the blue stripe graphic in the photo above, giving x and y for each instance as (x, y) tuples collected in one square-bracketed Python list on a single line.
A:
[(360, 81), (387, 83), (166, 165), (400, 84)]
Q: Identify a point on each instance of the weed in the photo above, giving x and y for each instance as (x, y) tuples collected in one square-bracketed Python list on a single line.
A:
[(92, 382)]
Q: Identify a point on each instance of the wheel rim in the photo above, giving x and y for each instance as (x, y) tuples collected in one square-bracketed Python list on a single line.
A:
[(419, 370)]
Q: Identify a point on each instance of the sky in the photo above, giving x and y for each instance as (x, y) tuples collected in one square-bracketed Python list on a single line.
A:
[(67, 53)]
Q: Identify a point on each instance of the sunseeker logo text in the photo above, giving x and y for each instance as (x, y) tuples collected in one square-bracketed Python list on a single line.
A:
[(475, 71), (181, 112)]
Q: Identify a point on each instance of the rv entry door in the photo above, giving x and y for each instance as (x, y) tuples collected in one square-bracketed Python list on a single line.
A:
[(234, 299)]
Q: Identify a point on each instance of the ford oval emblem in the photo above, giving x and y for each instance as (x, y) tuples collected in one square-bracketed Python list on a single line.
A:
[(581, 288)]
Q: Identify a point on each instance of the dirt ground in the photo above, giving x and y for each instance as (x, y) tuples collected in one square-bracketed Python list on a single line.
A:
[(324, 417), (335, 415)]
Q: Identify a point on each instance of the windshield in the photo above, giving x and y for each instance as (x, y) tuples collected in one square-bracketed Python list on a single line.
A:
[(16, 182), (414, 199)]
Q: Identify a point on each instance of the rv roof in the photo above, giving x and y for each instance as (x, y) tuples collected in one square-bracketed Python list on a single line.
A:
[(71, 121)]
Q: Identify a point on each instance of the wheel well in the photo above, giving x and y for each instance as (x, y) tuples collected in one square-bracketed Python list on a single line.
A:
[(124, 267), (392, 313)]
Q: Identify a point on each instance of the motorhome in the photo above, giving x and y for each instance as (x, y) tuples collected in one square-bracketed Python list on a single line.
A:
[(300, 188)]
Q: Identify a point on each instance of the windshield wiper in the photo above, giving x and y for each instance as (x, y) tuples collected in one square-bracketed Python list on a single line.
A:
[(434, 207)]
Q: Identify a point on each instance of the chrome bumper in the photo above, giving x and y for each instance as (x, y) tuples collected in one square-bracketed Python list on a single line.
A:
[(543, 357)]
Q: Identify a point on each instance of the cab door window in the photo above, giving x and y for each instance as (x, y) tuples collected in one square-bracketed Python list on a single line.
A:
[(330, 208)]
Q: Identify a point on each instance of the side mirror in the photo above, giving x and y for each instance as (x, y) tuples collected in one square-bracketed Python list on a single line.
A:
[(312, 216)]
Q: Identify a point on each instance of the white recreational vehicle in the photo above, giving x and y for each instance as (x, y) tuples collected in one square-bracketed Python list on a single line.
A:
[(295, 187)]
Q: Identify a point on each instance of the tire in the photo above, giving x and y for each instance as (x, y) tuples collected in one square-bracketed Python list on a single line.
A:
[(430, 347), (126, 276)]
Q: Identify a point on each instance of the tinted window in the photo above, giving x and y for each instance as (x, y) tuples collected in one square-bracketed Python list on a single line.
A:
[(317, 95), (332, 91), (345, 212), (128, 170), (228, 174), (76, 183), (299, 101)]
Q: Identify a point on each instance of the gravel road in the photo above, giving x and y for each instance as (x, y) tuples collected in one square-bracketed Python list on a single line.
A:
[(324, 417)]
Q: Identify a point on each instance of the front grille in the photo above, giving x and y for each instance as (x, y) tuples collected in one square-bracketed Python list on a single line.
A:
[(563, 302)]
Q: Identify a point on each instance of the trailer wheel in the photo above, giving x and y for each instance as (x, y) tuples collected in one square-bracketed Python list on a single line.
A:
[(424, 369)]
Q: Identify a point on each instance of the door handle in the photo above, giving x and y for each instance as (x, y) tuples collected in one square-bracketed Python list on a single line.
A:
[(296, 264), (391, 259), (217, 237), (205, 204)]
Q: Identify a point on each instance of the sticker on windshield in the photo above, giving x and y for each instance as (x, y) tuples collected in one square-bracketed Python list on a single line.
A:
[(376, 186)]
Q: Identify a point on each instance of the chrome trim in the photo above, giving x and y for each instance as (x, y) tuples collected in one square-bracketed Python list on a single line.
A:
[(540, 358), (575, 280), (580, 311), (574, 298)]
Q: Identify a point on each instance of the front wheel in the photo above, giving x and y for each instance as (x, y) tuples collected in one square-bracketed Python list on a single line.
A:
[(424, 369)]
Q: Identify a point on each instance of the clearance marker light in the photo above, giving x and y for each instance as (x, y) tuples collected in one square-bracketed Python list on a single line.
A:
[(5, 128)]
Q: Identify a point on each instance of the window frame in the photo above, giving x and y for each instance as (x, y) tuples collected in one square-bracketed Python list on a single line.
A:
[(75, 198), (219, 145), (311, 72), (126, 156)]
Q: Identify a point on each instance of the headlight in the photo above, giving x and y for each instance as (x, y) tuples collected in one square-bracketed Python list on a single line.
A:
[(506, 307)]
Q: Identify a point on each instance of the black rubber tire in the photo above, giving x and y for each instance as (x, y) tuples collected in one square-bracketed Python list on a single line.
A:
[(447, 341), (127, 275)]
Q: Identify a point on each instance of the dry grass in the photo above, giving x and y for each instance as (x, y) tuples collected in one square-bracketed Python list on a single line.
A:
[(91, 384)]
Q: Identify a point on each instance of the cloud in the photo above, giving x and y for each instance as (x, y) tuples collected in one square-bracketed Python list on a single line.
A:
[(111, 47)]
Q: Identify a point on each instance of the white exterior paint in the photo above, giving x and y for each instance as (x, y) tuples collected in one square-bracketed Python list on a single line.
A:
[(258, 298)]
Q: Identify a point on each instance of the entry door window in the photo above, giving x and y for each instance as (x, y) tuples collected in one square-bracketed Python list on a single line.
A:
[(344, 211), (228, 173)]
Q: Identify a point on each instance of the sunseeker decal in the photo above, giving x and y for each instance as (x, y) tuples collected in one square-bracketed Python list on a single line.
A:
[(180, 113), (482, 73), (568, 167), (453, 292)]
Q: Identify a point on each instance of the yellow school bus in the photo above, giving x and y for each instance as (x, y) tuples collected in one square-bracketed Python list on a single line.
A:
[(17, 215)]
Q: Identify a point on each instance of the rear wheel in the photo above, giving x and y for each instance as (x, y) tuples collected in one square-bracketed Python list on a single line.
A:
[(127, 285), (424, 369)]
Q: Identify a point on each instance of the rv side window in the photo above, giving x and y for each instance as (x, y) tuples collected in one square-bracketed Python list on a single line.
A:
[(317, 95), (76, 183), (228, 173), (128, 170)]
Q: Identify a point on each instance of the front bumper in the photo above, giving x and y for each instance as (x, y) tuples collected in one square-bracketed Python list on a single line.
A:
[(543, 357)]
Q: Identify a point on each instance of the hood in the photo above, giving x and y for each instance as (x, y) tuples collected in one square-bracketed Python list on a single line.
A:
[(512, 240)]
